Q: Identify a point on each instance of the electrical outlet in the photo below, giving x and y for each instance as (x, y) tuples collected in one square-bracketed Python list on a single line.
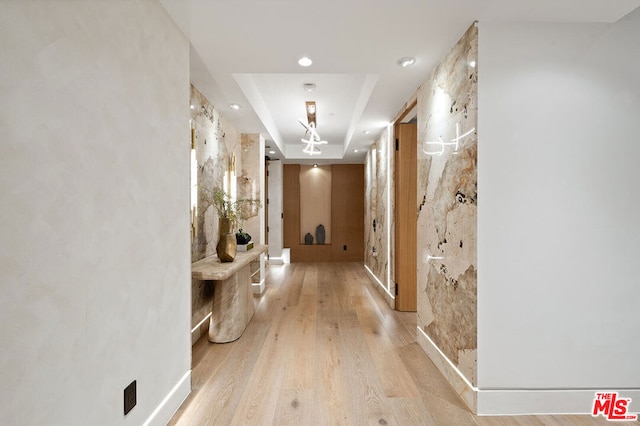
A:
[(129, 397)]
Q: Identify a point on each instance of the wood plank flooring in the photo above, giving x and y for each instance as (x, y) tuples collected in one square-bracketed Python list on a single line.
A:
[(324, 349)]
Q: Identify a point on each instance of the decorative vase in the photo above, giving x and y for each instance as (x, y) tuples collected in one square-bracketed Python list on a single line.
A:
[(227, 246), (242, 237), (308, 239), (320, 234)]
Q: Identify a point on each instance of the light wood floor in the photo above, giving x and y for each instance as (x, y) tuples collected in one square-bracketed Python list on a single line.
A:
[(324, 349)]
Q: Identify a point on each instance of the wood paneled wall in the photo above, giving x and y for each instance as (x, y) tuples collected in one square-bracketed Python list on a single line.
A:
[(291, 205), (347, 216)]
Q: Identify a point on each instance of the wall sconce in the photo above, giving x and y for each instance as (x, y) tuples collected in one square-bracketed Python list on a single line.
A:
[(194, 185), (439, 145), (229, 185)]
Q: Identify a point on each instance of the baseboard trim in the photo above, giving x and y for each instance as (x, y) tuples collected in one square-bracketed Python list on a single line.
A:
[(201, 329), (276, 260), (258, 288), (463, 387), (518, 402), (170, 404), (391, 300)]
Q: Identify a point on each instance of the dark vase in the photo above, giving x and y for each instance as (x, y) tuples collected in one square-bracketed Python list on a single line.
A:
[(242, 237), (320, 234), (308, 239)]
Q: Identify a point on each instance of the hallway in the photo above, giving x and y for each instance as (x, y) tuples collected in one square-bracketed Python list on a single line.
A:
[(324, 349)]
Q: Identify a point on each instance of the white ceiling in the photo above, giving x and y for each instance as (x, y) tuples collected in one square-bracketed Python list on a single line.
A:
[(246, 52)]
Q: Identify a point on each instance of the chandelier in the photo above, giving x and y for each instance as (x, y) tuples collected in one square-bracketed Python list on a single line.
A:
[(311, 144)]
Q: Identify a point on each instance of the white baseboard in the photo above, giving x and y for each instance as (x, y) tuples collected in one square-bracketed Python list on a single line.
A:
[(465, 390), (391, 301), (201, 329), (510, 402), (518, 402), (170, 404), (258, 288), (276, 261)]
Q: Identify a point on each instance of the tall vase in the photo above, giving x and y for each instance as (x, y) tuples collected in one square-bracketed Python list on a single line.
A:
[(320, 234), (227, 246)]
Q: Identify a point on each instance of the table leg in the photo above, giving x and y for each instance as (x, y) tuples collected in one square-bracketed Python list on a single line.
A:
[(232, 307)]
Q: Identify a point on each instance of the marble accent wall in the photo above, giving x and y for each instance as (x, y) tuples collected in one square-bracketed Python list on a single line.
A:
[(447, 205), (377, 242), (251, 184), (250, 178), (370, 201), (216, 141)]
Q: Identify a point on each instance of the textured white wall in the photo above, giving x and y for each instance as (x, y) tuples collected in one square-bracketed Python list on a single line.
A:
[(559, 235), (94, 189), (275, 209)]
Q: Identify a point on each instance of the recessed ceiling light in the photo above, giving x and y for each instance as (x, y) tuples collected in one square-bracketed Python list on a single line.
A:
[(235, 106), (192, 107), (366, 132), (304, 61), (472, 64), (272, 152), (355, 150), (406, 61), (315, 164), (309, 87)]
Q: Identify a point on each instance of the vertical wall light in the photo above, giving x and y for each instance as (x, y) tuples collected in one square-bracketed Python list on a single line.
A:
[(389, 209), (229, 184), (194, 182)]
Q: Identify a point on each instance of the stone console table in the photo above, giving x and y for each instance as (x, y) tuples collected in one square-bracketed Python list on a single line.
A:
[(232, 306)]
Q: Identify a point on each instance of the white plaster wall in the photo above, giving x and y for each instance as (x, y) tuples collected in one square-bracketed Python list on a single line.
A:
[(94, 196), (558, 228), (275, 208)]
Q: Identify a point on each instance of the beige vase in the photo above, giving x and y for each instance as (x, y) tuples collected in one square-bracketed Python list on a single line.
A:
[(227, 246)]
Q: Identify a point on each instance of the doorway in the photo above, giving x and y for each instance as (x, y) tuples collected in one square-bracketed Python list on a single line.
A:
[(406, 176)]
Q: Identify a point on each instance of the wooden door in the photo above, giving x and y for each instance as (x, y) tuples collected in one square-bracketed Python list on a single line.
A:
[(405, 215)]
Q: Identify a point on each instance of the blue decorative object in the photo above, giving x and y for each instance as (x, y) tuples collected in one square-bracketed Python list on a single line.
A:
[(320, 234)]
